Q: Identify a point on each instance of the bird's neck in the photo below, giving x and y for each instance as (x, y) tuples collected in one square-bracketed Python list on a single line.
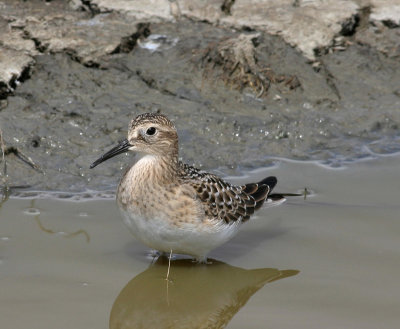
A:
[(156, 169)]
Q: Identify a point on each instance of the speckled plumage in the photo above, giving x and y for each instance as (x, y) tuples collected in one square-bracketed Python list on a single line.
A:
[(169, 205)]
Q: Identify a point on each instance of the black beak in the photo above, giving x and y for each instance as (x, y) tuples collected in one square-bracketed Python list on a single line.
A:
[(122, 147)]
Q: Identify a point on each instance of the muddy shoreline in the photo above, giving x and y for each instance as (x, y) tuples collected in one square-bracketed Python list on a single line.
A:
[(233, 114)]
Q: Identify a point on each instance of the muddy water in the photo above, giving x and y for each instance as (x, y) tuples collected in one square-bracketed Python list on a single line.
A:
[(330, 261)]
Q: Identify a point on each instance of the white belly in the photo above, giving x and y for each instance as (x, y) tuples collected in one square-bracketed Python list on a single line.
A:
[(189, 239)]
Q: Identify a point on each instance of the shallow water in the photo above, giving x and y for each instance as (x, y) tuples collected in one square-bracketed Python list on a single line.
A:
[(331, 261)]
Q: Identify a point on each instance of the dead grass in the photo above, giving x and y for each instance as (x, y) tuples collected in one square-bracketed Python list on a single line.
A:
[(234, 61)]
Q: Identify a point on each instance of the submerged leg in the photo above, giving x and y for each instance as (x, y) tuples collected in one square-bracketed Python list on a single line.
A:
[(201, 260), (169, 265), (154, 254)]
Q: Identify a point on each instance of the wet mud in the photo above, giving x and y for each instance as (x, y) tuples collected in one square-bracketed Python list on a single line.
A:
[(240, 98)]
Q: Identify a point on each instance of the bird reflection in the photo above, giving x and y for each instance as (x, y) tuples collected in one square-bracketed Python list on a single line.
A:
[(195, 296)]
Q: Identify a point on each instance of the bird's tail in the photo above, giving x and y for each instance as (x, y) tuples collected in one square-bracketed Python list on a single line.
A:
[(261, 192)]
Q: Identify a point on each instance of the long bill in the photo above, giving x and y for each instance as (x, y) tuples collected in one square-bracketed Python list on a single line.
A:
[(123, 146)]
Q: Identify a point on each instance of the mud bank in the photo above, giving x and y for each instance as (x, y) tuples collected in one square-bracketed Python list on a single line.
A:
[(239, 93)]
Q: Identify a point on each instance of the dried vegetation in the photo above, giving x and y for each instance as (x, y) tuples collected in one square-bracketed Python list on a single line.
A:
[(234, 60)]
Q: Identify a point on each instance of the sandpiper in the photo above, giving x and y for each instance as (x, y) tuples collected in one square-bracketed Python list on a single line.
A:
[(173, 207)]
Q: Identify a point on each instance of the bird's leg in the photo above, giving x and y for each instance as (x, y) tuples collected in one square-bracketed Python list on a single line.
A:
[(154, 254), (201, 260), (169, 265)]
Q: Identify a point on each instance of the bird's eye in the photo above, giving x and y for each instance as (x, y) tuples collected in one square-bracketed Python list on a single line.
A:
[(151, 131)]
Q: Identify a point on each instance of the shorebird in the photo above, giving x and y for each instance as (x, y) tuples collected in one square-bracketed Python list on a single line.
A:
[(174, 207)]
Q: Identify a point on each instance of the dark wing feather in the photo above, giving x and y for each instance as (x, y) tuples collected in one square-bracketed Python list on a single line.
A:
[(223, 201), (260, 191)]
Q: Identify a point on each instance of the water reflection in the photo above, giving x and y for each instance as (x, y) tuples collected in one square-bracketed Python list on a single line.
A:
[(197, 296)]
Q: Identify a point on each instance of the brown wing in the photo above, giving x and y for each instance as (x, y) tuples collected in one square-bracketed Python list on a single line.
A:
[(222, 200)]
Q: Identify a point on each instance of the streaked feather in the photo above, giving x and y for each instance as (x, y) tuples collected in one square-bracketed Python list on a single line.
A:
[(223, 201)]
